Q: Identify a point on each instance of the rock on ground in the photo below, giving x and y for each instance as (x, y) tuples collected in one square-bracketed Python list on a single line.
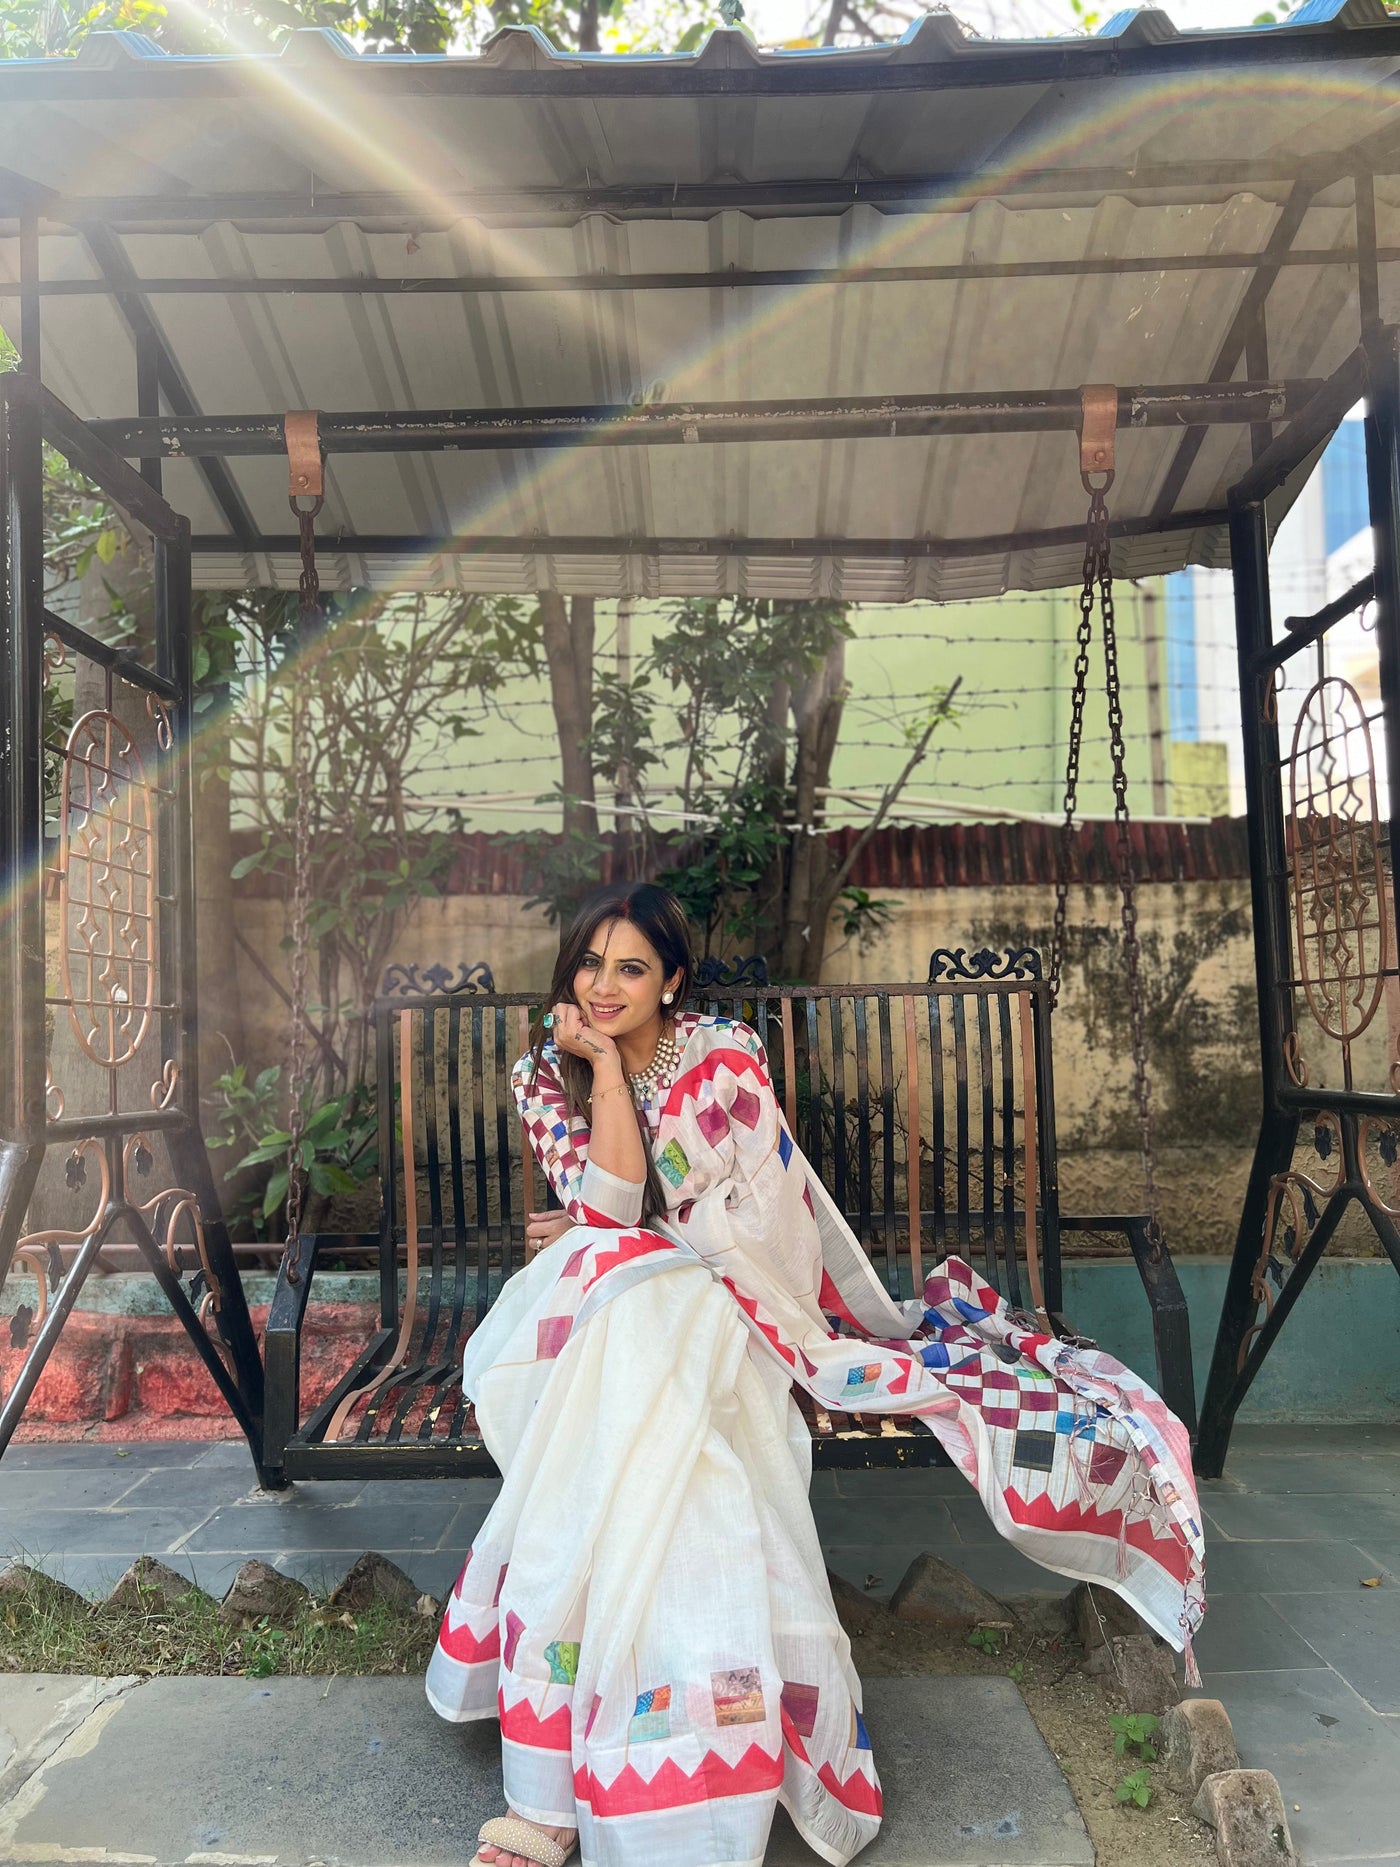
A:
[(372, 1579), (18, 1582), (149, 1587), (1245, 1808), (1197, 1741), (857, 1613), (938, 1595), (260, 1592), (1097, 1614), (1137, 1673)]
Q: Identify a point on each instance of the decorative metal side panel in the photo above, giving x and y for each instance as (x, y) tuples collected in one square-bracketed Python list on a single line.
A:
[(1338, 883), (106, 890)]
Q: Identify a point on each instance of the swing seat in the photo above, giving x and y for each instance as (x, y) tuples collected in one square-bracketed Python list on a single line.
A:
[(927, 1111)]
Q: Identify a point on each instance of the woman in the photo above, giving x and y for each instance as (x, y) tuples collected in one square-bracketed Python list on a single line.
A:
[(646, 1608)]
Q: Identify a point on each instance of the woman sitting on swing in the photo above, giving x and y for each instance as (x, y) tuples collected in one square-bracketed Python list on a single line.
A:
[(647, 1608)]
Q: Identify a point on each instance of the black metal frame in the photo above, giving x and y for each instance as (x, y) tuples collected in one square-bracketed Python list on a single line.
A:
[(30, 417), (1242, 1344), (472, 1248)]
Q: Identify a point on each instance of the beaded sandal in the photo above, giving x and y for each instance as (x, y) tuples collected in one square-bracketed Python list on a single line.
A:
[(513, 1835)]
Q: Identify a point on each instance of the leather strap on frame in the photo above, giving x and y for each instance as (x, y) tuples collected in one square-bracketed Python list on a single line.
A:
[(306, 474), (1098, 430)]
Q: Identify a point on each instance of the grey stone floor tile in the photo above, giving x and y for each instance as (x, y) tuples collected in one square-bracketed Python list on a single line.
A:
[(937, 1481), (910, 1520), (30, 1703), (196, 1489), (1002, 1570), (461, 1532), (92, 1532), (73, 1487), (1357, 1634), (1245, 1633), (1301, 1441), (458, 1492), (321, 1569), (385, 1780), (970, 1519), (1285, 1568), (1250, 1518), (420, 1526), (1382, 1556), (227, 1452), (1278, 1475), (1330, 1752), (32, 1457)]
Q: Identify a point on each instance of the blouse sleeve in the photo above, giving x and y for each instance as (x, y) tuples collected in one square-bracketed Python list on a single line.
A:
[(588, 1193)]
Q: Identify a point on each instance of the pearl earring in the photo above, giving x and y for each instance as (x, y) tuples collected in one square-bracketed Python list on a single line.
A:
[(666, 997)]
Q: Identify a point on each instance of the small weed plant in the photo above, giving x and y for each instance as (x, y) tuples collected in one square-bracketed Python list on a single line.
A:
[(986, 1640), (1132, 1737), (1134, 1788)]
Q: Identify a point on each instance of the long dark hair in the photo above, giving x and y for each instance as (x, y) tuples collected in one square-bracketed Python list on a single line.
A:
[(659, 917)]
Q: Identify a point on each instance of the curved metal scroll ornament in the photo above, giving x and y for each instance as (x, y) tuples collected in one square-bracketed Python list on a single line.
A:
[(1378, 1148), (164, 1213), (107, 890), (986, 963), (1335, 859), (1296, 1200), (414, 981), (724, 975)]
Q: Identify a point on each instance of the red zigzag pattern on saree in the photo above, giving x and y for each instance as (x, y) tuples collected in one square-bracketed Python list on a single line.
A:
[(521, 1724), (857, 1792), (756, 1773), (737, 1062), (459, 1643), (1041, 1514), (631, 1245), (769, 1332)]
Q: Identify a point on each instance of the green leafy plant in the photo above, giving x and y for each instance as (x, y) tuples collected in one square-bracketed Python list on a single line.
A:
[(986, 1640), (1134, 1788), (339, 1148), (1132, 1734), (262, 1649)]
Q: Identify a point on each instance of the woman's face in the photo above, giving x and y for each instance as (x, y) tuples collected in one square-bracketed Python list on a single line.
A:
[(620, 981)]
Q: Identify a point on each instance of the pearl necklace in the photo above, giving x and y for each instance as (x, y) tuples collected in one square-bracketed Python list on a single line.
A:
[(646, 1082)]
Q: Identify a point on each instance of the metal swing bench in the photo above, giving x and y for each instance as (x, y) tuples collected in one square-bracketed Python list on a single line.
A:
[(927, 1111)]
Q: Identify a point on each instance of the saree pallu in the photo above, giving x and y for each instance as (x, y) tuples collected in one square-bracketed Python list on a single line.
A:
[(646, 1608)]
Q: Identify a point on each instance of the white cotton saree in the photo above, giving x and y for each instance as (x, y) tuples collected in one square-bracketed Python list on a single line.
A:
[(646, 1608)]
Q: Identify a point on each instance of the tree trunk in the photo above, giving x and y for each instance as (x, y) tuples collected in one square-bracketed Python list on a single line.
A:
[(588, 42), (567, 629), (817, 707)]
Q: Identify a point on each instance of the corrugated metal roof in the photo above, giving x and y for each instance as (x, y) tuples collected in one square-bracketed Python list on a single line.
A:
[(730, 226)]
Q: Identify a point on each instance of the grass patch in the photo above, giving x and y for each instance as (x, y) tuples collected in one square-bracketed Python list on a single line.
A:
[(47, 1630)]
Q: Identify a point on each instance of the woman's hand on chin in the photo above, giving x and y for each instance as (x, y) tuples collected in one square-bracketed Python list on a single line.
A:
[(573, 1033)]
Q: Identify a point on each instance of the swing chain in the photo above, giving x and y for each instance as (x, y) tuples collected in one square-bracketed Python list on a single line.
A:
[(305, 499), (1097, 528), (1096, 459)]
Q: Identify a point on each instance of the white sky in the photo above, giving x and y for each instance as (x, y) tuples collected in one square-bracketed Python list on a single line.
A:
[(774, 20)]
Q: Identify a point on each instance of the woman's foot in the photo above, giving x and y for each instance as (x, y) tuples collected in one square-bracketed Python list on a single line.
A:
[(501, 1857)]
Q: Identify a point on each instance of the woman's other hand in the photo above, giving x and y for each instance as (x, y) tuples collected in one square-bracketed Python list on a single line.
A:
[(573, 1033), (542, 1228)]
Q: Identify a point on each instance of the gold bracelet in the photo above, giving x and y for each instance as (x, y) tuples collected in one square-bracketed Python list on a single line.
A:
[(611, 1089)]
